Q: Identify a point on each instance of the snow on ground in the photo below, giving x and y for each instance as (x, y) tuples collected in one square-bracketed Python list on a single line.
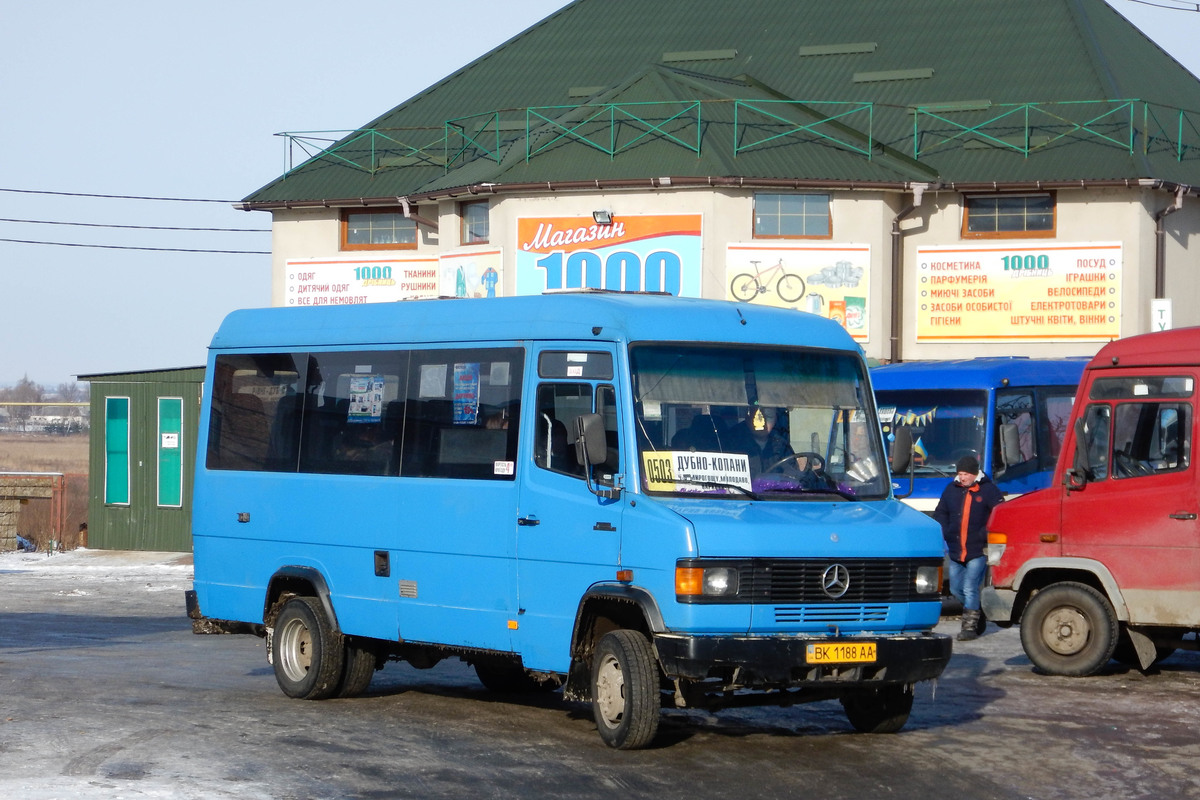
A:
[(102, 566)]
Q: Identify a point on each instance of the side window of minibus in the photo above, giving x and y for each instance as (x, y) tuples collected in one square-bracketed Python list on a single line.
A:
[(462, 414), (249, 428), (1150, 438), (557, 406), (352, 412), (1015, 435), (1055, 418), (606, 407), (1096, 437)]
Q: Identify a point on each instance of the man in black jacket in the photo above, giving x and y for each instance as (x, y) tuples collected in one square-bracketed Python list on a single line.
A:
[(963, 512)]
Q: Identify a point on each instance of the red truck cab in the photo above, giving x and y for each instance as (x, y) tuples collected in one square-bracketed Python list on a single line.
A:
[(1105, 563)]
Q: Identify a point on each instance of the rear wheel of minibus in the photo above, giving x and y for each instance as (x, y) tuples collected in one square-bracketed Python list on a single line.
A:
[(625, 691), (307, 652)]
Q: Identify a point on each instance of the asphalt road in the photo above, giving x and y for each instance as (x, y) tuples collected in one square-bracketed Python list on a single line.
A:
[(106, 693)]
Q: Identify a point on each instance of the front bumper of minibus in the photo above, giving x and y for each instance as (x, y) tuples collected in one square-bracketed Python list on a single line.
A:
[(772, 662)]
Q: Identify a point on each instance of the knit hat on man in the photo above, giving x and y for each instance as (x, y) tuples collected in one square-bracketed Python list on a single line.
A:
[(967, 464)]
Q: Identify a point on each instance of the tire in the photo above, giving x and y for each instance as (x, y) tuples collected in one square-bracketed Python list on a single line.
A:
[(625, 695), (744, 287), (358, 669), (790, 287), (306, 651), (1069, 629), (882, 710)]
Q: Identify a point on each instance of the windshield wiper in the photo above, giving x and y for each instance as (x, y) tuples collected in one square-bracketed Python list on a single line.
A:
[(719, 485), (798, 489)]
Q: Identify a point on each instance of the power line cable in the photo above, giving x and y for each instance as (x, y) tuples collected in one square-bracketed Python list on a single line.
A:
[(155, 249), (1179, 6), (135, 227), (120, 196)]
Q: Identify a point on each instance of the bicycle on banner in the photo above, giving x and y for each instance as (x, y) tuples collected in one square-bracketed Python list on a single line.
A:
[(788, 285)]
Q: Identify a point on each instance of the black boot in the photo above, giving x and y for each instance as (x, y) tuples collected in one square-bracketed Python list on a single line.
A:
[(970, 626)]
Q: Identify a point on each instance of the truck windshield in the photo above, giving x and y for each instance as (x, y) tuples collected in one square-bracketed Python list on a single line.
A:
[(765, 423), (946, 425)]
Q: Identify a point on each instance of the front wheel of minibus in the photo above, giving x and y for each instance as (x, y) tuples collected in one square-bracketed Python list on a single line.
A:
[(884, 709), (625, 695), (306, 650)]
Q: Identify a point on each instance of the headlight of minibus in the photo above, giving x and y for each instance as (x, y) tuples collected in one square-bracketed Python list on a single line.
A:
[(929, 580), (694, 583)]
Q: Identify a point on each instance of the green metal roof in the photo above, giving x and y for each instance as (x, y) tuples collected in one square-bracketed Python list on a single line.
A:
[(869, 92)]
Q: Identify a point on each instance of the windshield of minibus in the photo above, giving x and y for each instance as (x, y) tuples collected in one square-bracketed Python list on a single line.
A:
[(766, 423), (945, 424)]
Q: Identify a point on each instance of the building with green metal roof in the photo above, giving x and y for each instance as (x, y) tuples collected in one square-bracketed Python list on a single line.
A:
[(996, 177)]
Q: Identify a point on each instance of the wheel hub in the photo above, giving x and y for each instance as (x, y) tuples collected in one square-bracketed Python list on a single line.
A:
[(610, 691), (1066, 631)]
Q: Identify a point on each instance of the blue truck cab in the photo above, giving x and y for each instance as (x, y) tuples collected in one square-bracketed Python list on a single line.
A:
[(639, 499), (1011, 413)]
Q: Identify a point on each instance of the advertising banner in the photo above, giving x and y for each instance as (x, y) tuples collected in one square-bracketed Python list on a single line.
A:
[(355, 279), (1019, 292), (344, 281), (828, 279), (471, 273), (643, 253)]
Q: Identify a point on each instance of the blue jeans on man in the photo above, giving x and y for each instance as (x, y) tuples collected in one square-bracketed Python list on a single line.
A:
[(966, 579)]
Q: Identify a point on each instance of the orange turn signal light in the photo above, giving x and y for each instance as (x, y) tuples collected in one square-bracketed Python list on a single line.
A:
[(689, 580)]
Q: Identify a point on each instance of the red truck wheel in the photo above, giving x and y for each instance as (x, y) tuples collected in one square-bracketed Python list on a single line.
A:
[(1069, 629)]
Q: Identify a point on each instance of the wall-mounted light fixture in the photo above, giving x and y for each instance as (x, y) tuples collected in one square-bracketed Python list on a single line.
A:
[(602, 217)]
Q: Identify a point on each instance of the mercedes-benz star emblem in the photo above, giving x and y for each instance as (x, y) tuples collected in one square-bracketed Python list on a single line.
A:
[(835, 580)]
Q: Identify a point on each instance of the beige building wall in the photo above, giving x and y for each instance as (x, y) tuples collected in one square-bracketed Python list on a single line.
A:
[(859, 217)]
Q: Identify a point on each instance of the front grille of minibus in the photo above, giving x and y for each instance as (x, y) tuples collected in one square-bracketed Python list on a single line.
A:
[(798, 581)]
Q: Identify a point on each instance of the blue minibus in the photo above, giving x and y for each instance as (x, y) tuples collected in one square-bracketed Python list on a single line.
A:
[(637, 499), (1011, 413)]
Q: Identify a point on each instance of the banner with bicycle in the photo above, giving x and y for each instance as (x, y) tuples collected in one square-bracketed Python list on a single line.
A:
[(827, 279)]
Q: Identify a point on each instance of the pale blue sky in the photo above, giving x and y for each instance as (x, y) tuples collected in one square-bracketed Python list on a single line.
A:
[(159, 99)]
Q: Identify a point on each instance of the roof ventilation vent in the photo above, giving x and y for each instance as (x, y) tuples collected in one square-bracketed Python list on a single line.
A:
[(848, 49)]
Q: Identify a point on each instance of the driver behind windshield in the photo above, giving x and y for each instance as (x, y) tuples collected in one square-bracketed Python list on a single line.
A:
[(758, 437)]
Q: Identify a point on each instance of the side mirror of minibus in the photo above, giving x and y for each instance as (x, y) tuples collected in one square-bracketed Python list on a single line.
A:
[(591, 449), (1077, 476), (902, 456)]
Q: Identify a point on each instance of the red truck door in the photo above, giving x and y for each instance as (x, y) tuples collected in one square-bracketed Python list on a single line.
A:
[(1137, 513)]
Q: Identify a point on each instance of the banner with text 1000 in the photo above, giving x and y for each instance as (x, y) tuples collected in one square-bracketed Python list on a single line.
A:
[(1020, 292), (644, 253)]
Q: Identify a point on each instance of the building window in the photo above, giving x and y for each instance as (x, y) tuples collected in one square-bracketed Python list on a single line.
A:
[(475, 225), (791, 216), (378, 230), (1009, 215)]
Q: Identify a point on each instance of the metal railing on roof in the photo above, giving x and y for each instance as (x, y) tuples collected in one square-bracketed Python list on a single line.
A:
[(772, 127), (612, 128), (1026, 128)]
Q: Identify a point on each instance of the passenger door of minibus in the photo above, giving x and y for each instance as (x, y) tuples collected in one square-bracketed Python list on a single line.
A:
[(568, 538)]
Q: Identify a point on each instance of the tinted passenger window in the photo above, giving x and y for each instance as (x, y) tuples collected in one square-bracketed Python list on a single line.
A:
[(422, 413), (250, 427), (462, 409)]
